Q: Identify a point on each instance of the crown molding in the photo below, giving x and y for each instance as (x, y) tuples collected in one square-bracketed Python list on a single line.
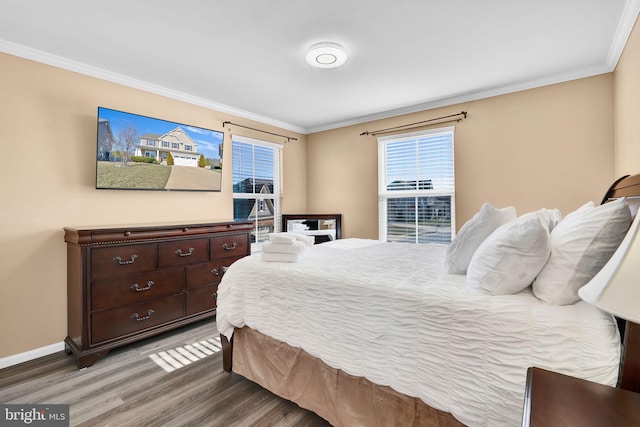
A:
[(100, 73), (467, 97), (625, 26)]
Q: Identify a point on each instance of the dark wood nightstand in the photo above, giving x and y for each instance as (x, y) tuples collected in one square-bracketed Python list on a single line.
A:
[(553, 399)]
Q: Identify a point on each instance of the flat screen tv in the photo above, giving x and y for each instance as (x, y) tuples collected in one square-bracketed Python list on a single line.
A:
[(136, 152)]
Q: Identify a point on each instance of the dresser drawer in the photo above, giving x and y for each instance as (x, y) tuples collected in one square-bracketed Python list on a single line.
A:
[(136, 288), (229, 245), (209, 273), (191, 251), (203, 299), (118, 260), (205, 274), (117, 322)]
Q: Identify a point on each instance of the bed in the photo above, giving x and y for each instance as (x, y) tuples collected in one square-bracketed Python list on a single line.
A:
[(366, 333)]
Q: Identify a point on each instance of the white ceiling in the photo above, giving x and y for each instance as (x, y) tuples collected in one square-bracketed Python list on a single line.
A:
[(246, 57)]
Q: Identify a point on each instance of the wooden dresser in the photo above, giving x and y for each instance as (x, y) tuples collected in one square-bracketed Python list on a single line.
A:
[(127, 283)]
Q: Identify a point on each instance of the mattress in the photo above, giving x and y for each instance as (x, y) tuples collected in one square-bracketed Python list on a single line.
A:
[(388, 313)]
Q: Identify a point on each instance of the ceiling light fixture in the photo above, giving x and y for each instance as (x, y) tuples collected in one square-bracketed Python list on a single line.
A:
[(326, 55)]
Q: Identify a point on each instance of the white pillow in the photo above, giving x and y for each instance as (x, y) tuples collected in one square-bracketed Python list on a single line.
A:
[(472, 234), (581, 244), (550, 217), (510, 258), (582, 209)]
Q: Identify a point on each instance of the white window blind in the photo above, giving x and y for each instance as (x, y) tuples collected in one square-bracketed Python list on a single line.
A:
[(416, 187), (256, 186)]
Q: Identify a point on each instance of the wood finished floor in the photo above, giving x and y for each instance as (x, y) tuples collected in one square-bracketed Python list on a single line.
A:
[(127, 388)]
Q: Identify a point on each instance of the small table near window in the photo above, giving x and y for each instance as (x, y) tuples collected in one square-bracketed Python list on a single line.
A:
[(323, 227), (553, 399)]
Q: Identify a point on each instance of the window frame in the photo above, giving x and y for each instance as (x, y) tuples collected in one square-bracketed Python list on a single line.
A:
[(385, 194), (262, 197)]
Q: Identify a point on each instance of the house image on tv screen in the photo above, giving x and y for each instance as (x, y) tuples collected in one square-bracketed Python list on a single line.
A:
[(137, 152), (183, 149)]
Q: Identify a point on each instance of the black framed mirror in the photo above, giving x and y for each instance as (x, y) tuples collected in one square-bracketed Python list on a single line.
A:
[(323, 227)]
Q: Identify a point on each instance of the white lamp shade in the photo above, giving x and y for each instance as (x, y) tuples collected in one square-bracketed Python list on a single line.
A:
[(616, 287)]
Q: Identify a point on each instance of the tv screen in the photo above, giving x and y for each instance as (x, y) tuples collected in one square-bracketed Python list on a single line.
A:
[(142, 153)]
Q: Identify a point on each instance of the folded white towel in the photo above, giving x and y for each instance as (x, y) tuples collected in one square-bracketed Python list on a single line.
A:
[(284, 248), (282, 238), (291, 237), (280, 257)]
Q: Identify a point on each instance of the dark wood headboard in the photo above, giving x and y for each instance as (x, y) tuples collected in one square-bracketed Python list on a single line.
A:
[(629, 378), (627, 186)]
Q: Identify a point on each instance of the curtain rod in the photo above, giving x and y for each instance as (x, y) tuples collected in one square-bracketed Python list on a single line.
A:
[(419, 124), (289, 138)]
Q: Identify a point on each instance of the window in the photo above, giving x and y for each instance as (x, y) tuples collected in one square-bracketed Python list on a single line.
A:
[(256, 186), (165, 144), (187, 147), (416, 188)]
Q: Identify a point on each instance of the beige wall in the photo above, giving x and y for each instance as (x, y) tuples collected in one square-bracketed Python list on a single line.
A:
[(627, 107), (547, 147), (47, 178)]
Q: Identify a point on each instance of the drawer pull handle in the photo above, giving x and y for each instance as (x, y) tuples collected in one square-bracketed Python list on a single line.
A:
[(220, 272), (230, 248), (214, 295), (140, 319), (180, 253), (121, 262), (136, 288)]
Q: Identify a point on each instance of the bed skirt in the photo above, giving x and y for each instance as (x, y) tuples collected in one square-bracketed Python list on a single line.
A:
[(340, 398)]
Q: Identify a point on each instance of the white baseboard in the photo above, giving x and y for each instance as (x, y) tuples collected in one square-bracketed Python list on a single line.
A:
[(15, 359)]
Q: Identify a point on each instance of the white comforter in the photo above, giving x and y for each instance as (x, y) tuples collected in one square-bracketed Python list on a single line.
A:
[(387, 312)]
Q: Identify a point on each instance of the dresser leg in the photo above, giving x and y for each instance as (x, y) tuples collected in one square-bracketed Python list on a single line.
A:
[(84, 359)]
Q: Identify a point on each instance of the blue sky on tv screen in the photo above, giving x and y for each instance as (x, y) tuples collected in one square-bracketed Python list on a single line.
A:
[(207, 140)]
